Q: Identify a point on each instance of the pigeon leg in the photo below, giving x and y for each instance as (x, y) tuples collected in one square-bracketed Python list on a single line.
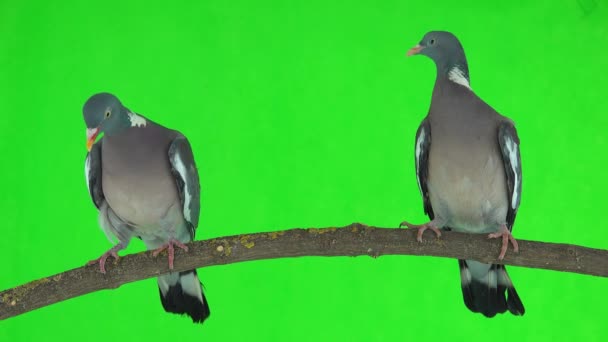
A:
[(170, 247), (113, 252), (432, 225), (506, 236)]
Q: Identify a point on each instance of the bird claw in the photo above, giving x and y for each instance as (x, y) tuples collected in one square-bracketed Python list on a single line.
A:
[(169, 246), (506, 236), (102, 259), (421, 228)]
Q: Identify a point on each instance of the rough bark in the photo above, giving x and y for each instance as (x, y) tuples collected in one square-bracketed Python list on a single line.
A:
[(353, 240)]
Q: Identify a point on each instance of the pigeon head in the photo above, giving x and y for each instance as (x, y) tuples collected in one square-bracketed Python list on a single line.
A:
[(105, 113), (447, 53)]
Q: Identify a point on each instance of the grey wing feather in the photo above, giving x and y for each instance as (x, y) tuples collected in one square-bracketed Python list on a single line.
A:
[(92, 172), (423, 146), (185, 173), (509, 147)]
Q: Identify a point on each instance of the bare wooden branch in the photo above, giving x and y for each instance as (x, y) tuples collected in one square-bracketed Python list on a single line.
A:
[(353, 240)]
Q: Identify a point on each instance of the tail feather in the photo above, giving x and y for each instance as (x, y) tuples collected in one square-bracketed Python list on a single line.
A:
[(514, 304), (182, 293), (484, 287)]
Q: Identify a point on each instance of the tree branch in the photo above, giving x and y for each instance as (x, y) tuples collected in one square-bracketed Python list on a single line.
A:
[(353, 240)]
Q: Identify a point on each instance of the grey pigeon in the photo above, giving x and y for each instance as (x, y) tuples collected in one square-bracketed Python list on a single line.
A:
[(143, 179), (469, 173)]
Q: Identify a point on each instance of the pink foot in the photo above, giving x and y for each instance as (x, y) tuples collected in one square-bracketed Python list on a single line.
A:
[(421, 228), (102, 259), (506, 237), (169, 246)]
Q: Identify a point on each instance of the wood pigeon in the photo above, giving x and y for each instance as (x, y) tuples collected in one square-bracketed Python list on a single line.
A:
[(143, 179), (469, 172)]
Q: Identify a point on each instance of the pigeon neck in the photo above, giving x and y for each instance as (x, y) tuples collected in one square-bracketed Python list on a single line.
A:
[(455, 72)]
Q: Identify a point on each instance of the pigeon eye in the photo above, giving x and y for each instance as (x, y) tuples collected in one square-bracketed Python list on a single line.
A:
[(432, 42), (108, 114)]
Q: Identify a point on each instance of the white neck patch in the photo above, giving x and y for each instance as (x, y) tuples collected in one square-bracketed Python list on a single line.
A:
[(136, 120), (457, 76)]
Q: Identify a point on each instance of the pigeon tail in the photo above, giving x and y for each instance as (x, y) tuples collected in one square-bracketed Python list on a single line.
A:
[(484, 287), (182, 293)]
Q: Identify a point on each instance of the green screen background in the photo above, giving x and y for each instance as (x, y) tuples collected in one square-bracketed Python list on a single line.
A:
[(301, 114)]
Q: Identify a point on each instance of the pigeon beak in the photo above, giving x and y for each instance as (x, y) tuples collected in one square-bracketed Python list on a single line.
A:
[(415, 50), (91, 136)]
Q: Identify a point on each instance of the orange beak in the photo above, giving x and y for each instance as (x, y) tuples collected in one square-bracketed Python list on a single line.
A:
[(91, 137), (415, 50)]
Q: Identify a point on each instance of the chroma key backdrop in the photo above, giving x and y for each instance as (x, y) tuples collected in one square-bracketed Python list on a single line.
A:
[(301, 114)]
